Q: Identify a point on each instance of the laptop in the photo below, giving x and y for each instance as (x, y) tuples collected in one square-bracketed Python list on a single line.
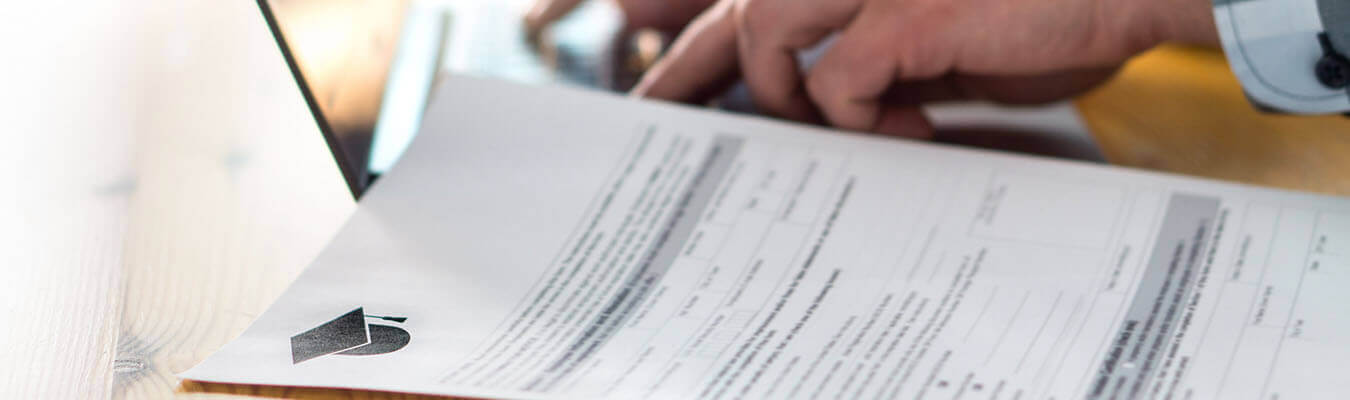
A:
[(364, 69)]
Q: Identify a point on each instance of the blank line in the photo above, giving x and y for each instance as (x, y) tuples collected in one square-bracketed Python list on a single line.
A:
[(979, 317), (923, 253), (1011, 321), (1037, 338), (1068, 323)]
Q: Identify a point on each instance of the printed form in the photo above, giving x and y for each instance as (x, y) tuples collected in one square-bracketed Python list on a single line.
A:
[(548, 243)]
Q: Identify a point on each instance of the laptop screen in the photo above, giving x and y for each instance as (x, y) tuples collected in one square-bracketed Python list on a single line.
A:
[(366, 67), (340, 53)]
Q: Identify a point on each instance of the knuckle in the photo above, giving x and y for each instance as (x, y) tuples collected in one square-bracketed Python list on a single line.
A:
[(914, 61), (770, 96), (768, 104), (821, 87), (815, 85)]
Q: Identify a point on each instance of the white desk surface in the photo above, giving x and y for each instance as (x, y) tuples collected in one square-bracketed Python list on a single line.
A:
[(163, 183)]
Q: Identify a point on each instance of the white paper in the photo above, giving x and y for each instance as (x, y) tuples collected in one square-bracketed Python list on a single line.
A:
[(552, 243)]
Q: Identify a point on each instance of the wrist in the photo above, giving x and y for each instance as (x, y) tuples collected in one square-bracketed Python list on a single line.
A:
[(1183, 21), (1135, 26)]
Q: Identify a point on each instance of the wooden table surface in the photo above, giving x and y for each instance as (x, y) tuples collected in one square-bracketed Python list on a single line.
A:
[(165, 183), (1181, 110)]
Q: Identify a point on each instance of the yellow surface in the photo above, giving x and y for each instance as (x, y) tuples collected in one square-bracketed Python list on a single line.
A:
[(1181, 110)]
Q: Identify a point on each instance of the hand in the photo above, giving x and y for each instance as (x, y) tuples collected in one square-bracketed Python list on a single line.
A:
[(889, 56)]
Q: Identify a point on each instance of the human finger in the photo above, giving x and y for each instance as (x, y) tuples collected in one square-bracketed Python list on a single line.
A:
[(770, 33), (700, 62), (879, 47)]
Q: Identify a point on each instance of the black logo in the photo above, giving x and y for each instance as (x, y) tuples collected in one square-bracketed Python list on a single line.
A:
[(349, 335)]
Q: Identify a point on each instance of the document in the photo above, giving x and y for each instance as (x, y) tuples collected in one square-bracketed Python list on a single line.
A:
[(548, 243)]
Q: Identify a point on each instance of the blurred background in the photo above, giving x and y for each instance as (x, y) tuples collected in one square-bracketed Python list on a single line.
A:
[(371, 65)]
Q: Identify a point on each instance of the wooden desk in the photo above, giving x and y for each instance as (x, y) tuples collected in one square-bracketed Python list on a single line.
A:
[(167, 186), (1181, 110), (167, 183)]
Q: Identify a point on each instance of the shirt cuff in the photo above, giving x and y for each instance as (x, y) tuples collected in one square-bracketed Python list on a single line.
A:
[(1273, 47)]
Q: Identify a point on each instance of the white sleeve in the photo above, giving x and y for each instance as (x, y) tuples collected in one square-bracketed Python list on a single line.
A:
[(1274, 48)]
